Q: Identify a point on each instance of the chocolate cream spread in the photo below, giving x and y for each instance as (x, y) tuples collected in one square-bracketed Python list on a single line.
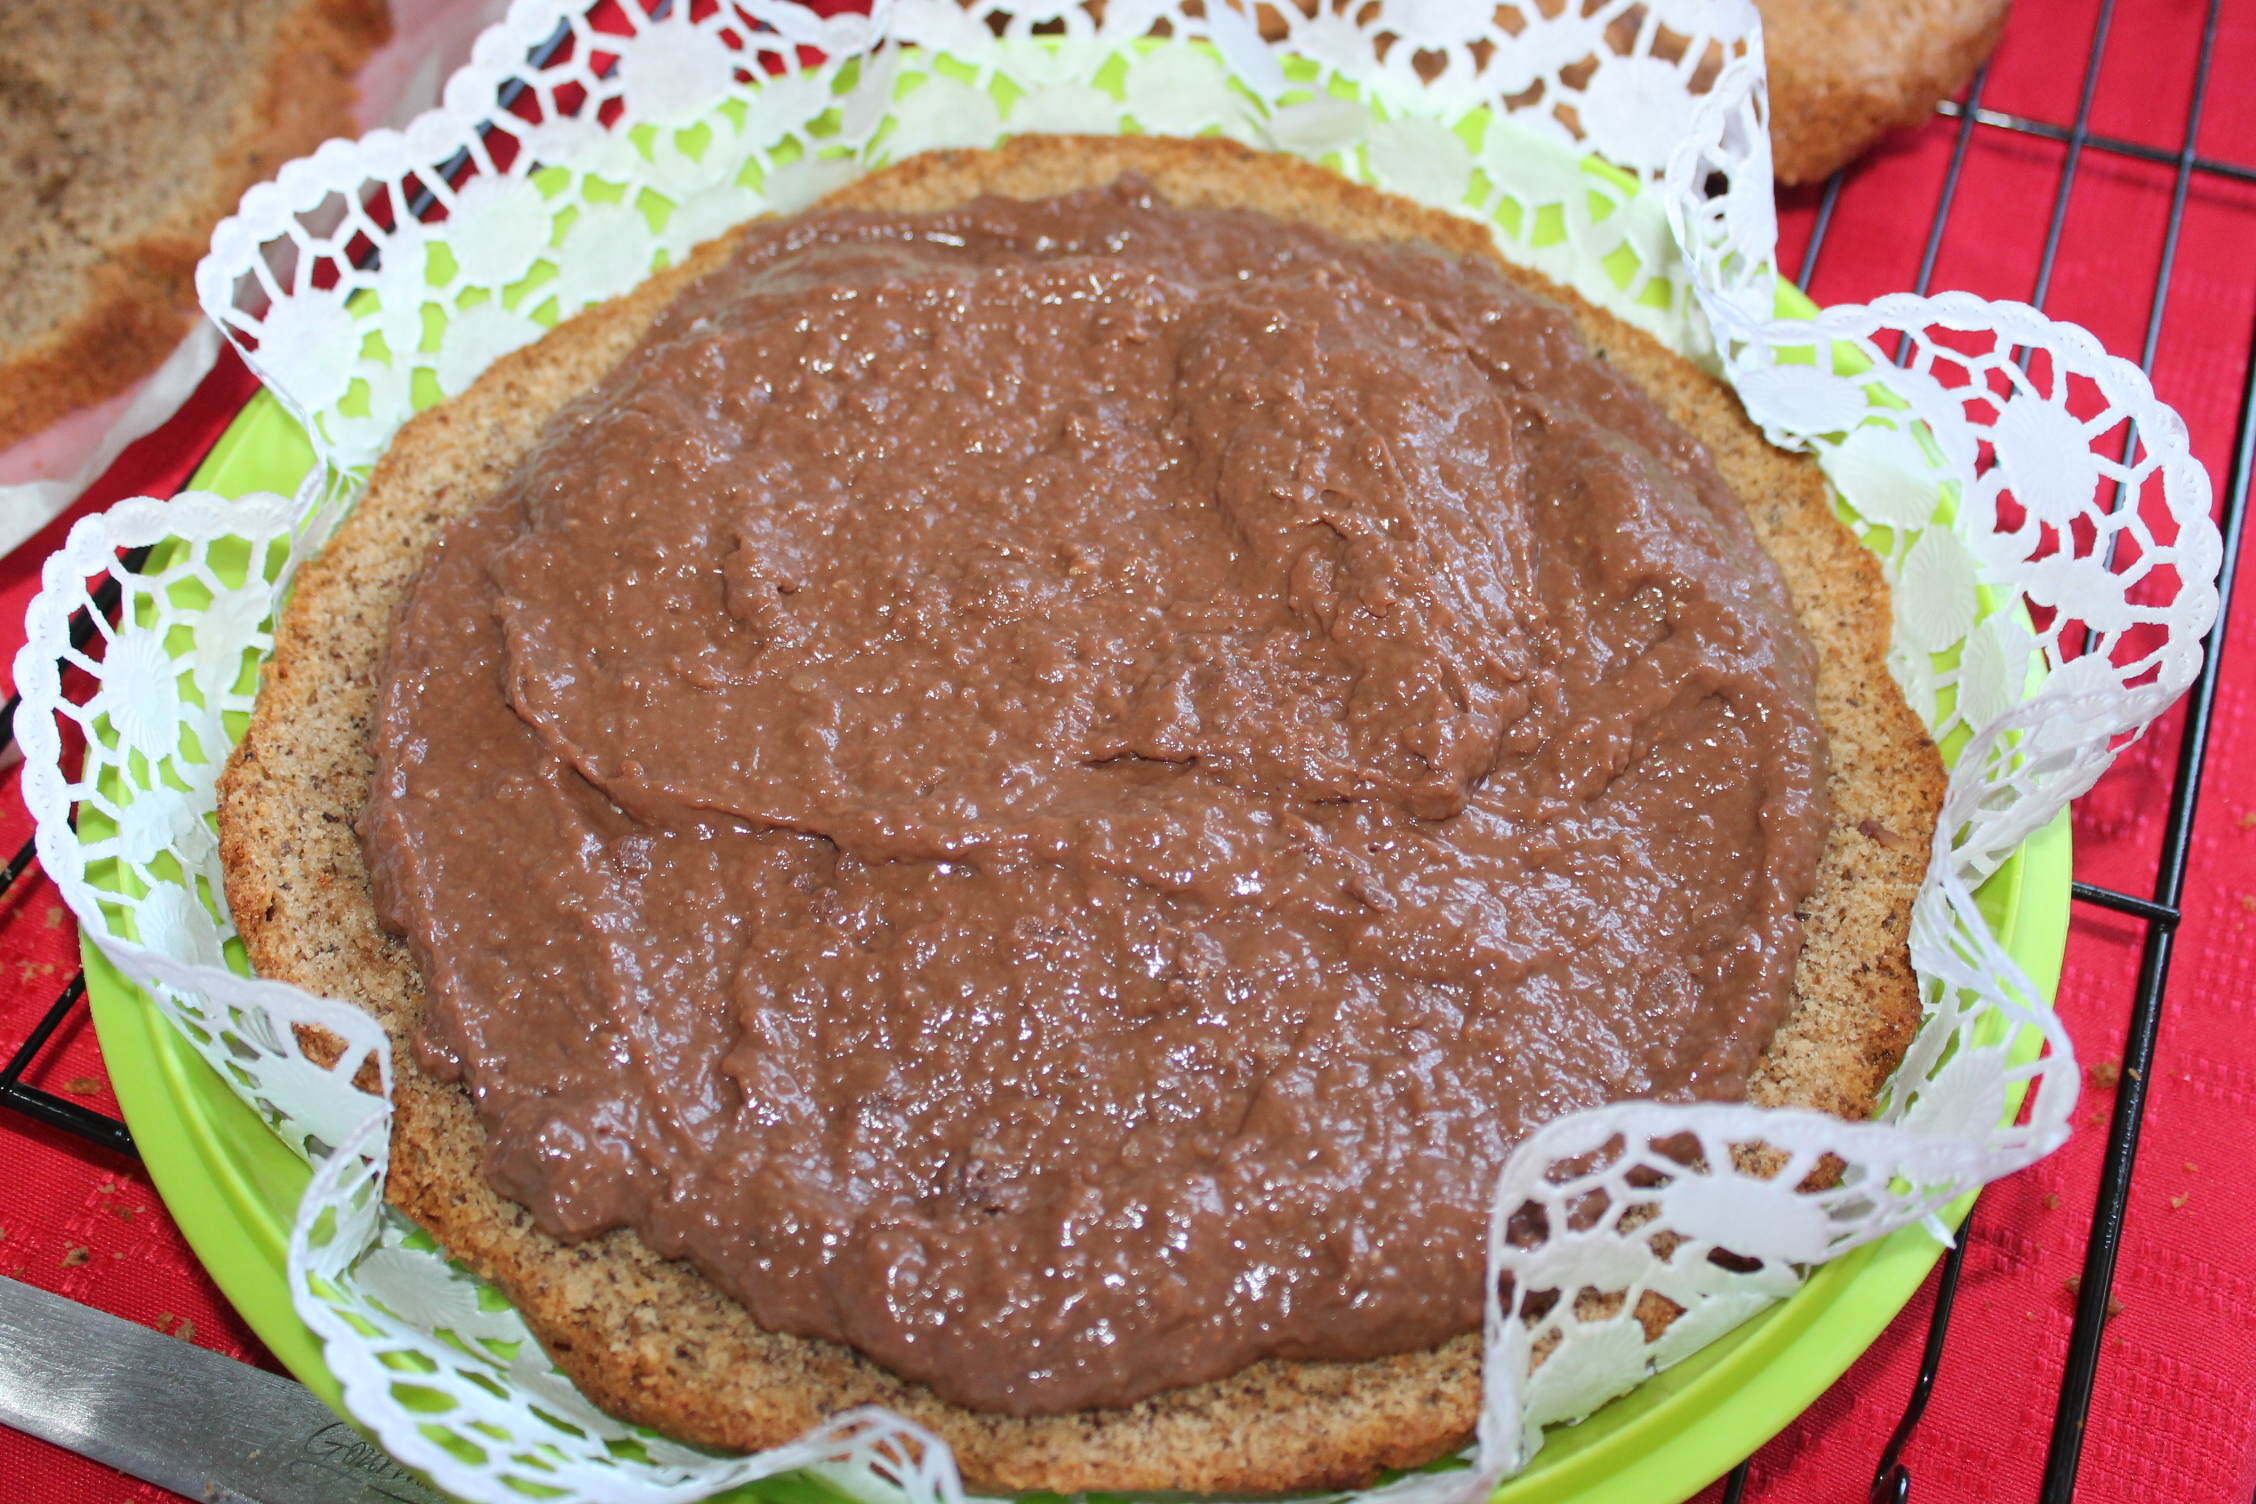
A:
[(1045, 790)]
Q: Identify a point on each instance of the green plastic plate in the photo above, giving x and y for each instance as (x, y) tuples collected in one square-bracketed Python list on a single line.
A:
[(232, 1186)]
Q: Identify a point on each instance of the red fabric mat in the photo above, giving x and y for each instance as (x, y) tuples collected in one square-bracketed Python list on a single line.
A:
[(2174, 1418), (2174, 1415)]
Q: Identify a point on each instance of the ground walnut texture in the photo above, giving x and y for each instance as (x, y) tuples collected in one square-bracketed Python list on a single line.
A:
[(128, 129), (653, 1341)]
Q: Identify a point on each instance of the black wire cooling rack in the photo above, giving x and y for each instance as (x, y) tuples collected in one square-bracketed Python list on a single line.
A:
[(1891, 1482), (1891, 1479)]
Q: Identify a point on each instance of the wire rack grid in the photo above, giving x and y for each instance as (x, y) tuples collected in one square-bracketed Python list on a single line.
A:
[(2159, 913)]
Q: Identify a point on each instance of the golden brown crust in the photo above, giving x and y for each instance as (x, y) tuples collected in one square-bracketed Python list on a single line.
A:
[(120, 328), (651, 1340), (135, 296), (1843, 73)]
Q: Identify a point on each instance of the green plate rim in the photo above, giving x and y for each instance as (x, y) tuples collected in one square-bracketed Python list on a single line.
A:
[(231, 1185)]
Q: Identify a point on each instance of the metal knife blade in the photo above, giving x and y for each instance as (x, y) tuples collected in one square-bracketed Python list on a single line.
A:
[(179, 1416)]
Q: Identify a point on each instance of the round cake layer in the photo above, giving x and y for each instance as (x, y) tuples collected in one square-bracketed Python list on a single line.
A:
[(656, 1341)]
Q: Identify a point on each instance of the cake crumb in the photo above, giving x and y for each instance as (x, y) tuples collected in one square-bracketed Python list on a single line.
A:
[(2052, 1202), (2177, 1203), (2074, 1285), (1873, 830), (76, 1257), (82, 1086), (186, 1331), (2106, 1073)]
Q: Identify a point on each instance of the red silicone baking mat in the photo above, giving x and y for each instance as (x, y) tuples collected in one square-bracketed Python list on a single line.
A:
[(2075, 184)]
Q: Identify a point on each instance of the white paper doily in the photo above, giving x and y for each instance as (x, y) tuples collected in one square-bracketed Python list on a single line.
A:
[(2050, 596)]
